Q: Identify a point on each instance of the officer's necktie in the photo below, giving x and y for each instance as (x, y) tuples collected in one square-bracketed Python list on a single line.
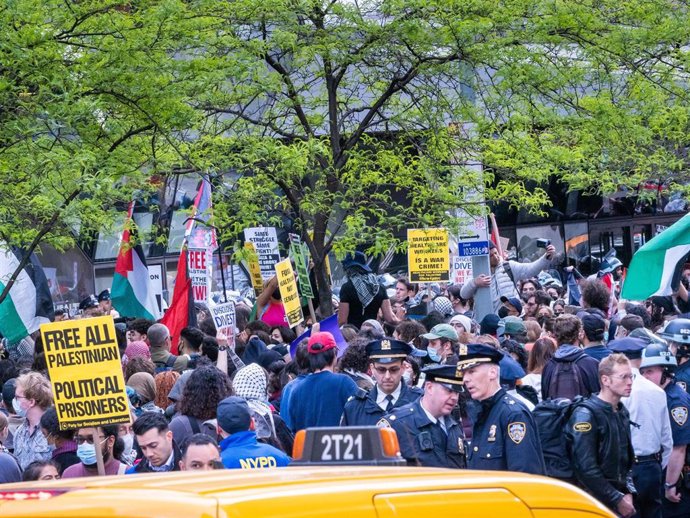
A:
[(389, 398)]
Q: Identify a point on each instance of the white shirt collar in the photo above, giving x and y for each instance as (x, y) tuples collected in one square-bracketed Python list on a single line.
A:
[(381, 397)]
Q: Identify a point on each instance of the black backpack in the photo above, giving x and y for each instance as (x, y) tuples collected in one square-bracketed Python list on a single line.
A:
[(168, 365), (551, 417), (567, 380)]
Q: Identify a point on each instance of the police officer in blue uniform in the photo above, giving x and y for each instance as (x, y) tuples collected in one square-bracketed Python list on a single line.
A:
[(504, 435), (427, 434), (677, 333), (657, 365), (386, 357)]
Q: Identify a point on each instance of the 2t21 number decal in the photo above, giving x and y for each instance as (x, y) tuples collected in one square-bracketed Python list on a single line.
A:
[(341, 447)]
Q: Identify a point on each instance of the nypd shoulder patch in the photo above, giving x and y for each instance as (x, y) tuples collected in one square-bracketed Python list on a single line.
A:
[(383, 423), (517, 432), (680, 415)]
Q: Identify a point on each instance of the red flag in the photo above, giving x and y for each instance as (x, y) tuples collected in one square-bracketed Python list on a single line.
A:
[(181, 312)]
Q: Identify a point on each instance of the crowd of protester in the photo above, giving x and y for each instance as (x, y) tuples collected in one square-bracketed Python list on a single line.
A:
[(237, 403)]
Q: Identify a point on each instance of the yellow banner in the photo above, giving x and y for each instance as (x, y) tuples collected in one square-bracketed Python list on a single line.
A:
[(428, 259), (288, 292), (85, 372), (254, 269)]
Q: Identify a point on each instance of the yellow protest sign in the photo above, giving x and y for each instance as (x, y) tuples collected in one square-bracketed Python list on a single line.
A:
[(288, 292), (427, 255), (85, 372), (254, 268)]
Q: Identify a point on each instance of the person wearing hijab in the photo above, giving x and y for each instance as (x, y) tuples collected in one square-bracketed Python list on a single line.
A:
[(142, 393)]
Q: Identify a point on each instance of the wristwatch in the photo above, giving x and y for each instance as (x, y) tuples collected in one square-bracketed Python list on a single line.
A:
[(223, 347), (668, 486)]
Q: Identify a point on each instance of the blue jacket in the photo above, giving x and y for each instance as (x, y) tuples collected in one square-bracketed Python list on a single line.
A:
[(423, 443), (242, 450), (504, 437), (362, 410)]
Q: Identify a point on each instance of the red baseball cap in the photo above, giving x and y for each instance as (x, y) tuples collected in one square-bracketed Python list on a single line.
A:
[(320, 342)]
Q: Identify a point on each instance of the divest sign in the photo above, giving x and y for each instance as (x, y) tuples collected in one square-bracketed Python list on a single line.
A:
[(427, 255), (85, 372), (224, 319)]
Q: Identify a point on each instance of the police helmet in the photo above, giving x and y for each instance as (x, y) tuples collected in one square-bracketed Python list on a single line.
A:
[(656, 354), (677, 330), (647, 335)]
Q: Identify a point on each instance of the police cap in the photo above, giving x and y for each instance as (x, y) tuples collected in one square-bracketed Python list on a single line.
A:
[(450, 376), (387, 349), (631, 347), (104, 295), (472, 355), (89, 302)]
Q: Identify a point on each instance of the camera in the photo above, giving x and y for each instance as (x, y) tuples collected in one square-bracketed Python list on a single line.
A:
[(543, 243)]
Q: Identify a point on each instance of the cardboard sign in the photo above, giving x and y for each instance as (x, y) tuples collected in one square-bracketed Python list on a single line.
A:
[(462, 269), (288, 293), (299, 253), (254, 269), (265, 242), (224, 319), (427, 255), (198, 261), (85, 372)]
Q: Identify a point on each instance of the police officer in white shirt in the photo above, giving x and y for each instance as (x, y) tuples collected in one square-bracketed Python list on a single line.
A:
[(650, 431)]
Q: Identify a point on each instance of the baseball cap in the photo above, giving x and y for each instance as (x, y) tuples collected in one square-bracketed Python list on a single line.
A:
[(513, 301), (512, 326), (442, 331), (320, 342), (489, 324), (234, 415)]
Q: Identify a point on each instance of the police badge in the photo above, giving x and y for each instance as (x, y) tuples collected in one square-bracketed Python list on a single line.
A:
[(680, 415), (492, 434), (516, 432), (682, 385)]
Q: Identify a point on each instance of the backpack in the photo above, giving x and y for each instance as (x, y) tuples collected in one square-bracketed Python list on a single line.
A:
[(551, 417), (567, 381), (167, 366)]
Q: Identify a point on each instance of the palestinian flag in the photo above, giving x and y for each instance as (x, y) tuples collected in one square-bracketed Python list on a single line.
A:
[(28, 303), (131, 293), (181, 312), (656, 268)]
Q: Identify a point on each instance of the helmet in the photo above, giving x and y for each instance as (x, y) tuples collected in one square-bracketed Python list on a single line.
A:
[(648, 336), (677, 330), (656, 354)]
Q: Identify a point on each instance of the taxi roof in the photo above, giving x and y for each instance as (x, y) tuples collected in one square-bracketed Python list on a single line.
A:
[(224, 487)]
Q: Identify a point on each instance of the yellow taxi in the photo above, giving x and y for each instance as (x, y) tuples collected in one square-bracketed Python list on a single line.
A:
[(309, 490)]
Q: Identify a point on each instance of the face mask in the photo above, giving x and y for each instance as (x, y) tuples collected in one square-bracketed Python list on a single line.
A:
[(502, 312), (407, 377), (606, 336), (87, 454), (21, 412), (433, 355)]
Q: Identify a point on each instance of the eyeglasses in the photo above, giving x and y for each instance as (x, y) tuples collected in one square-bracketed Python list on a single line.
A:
[(383, 370), (624, 377), (87, 440)]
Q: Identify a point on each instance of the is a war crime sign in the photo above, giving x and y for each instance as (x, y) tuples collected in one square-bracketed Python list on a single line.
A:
[(85, 372), (427, 255)]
